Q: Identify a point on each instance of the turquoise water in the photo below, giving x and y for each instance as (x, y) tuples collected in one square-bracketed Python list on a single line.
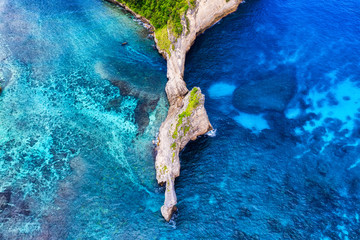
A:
[(79, 112), (78, 115)]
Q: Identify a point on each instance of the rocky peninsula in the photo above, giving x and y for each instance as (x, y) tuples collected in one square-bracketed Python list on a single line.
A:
[(187, 118)]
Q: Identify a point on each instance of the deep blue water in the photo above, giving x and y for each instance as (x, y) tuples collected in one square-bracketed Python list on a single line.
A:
[(282, 80), (79, 110)]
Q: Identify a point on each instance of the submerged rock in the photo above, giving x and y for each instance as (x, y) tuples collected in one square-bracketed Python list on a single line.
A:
[(269, 92), (147, 99), (146, 102), (5, 76), (5, 198), (13, 205)]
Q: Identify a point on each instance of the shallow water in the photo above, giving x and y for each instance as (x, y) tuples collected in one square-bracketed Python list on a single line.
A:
[(79, 110), (78, 113)]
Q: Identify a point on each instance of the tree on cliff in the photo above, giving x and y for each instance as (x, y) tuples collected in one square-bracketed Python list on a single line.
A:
[(162, 13)]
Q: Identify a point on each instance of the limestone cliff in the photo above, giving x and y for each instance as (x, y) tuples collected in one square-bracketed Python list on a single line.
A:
[(187, 118), (200, 18)]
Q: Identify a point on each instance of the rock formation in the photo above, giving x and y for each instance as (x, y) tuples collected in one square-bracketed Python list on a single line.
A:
[(271, 91), (187, 118)]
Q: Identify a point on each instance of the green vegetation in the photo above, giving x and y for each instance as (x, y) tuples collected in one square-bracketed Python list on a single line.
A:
[(187, 24), (193, 103), (163, 39), (173, 157), (186, 129), (163, 170), (162, 14)]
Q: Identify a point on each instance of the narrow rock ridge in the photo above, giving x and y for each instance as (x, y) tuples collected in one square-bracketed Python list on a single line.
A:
[(187, 118)]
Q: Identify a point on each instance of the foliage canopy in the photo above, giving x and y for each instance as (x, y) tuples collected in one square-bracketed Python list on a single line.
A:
[(162, 13)]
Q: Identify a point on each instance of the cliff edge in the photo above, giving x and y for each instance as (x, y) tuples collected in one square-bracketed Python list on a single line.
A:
[(187, 118)]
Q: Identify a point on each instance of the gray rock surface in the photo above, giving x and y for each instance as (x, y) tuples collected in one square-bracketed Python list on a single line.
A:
[(187, 118), (196, 122)]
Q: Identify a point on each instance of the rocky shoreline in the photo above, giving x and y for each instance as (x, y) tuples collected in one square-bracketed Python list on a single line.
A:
[(138, 16), (187, 118)]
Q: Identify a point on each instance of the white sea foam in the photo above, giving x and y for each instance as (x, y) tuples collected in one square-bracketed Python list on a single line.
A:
[(211, 133)]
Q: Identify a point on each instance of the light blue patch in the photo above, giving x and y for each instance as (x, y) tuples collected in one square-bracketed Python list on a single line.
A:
[(255, 122), (292, 113), (347, 96), (212, 200), (219, 90)]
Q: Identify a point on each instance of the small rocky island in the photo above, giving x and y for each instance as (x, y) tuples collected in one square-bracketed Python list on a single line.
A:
[(187, 118)]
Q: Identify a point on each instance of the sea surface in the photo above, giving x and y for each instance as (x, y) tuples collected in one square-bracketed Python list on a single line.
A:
[(79, 111)]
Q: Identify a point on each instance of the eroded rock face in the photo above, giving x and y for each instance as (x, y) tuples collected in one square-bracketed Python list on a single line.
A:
[(203, 16), (269, 92), (185, 121), (187, 118), (182, 124)]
